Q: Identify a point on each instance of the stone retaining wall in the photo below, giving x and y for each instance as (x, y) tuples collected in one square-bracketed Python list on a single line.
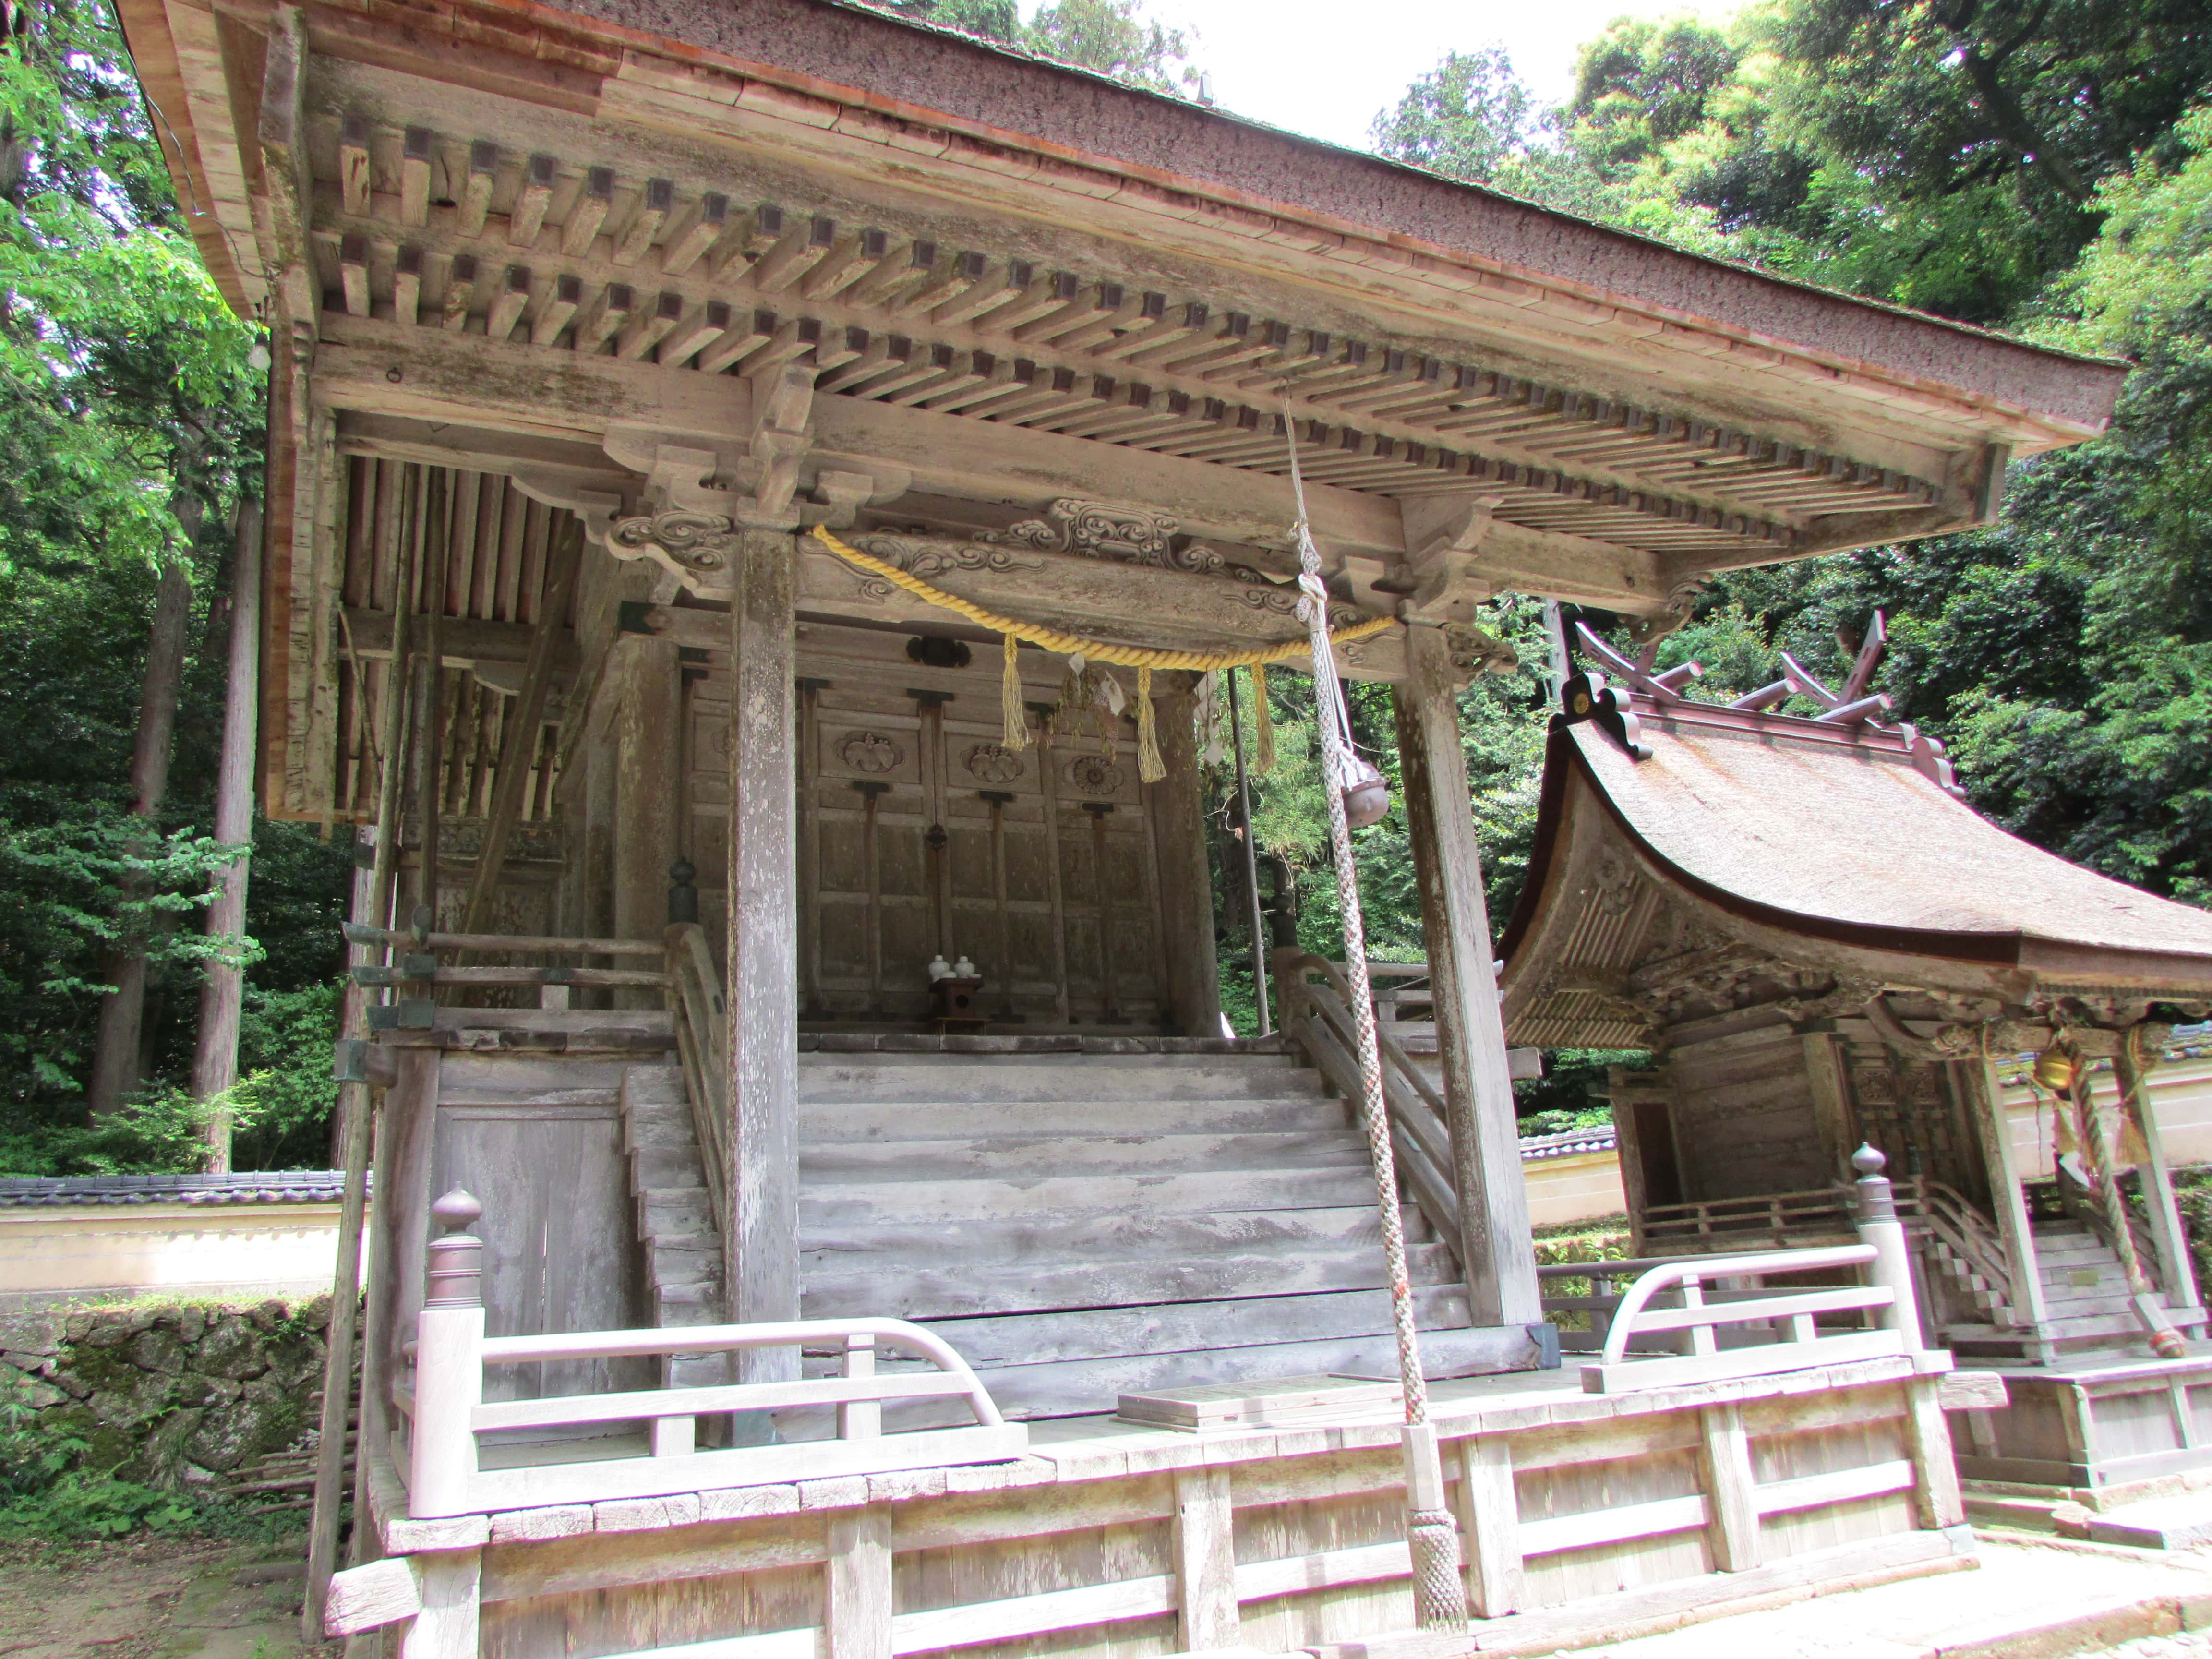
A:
[(170, 1393)]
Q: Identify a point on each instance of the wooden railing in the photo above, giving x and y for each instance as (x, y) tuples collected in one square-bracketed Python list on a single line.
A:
[(1790, 1315), (1405, 1003), (1775, 1330), (1786, 1220), (1318, 1018), (1932, 1207), (444, 1411), (417, 976), (702, 1038)]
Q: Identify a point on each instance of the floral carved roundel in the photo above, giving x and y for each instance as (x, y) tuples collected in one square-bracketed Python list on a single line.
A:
[(1094, 774)]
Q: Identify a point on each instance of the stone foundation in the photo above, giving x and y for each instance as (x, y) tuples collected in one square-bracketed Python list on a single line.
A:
[(170, 1393)]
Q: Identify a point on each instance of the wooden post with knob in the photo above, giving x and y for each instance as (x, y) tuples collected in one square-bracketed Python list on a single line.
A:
[(449, 1364)]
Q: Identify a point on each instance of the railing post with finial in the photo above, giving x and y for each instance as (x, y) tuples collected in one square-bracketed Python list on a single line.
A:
[(1878, 1225), (449, 1364)]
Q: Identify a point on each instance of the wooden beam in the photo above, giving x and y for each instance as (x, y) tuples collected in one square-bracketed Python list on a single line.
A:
[(464, 643), (380, 367), (574, 464), (1493, 1200), (761, 1233), (525, 728)]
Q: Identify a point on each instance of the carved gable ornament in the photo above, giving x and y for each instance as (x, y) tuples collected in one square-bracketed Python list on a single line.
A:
[(1106, 530)]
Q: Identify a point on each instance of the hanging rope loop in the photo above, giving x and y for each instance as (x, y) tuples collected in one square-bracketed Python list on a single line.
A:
[(1142, 658), (1439, 1591)]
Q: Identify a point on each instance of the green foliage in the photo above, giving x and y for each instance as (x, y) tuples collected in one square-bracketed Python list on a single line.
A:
[(131, 418)]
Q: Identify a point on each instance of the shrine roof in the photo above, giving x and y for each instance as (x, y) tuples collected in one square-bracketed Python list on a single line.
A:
[(1852, 843), (1777, 858)]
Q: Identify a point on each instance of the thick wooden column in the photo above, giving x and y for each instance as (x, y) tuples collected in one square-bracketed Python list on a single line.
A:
[(1186, 882), (647, 731), (761, 1231), (1500, 1257), (1978, 1080)]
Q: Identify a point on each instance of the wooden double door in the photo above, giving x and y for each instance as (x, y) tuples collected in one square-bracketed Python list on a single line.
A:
[(920, 832)]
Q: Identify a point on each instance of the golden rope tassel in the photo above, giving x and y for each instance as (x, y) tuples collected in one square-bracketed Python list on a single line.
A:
[(1263, 723), (1150, 768), (1016, 723)]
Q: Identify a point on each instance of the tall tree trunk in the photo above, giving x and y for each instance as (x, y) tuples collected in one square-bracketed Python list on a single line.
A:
[(115, 1059), (223, 989)]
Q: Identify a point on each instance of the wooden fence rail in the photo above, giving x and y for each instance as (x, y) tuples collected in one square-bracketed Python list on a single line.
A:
[(444, 1412)]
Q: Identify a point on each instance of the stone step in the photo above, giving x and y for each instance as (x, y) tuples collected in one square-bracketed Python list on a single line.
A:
[(1015, 1157)]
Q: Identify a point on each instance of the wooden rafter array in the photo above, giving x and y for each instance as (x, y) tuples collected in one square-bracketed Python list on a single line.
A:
[(526, 247), (496, 574)]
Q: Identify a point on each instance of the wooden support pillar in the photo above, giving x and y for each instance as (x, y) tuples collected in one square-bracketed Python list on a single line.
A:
[(647, 728), (761, 1231), (1977, 1080), (1934, 1471), (398, 1239), (1206, 1561), (1186, 882), (446, 1627), (1498, 1254), (1828, 1071), (1490, 1521), (1732, 1531), (856, 1612), (2176, 1273)]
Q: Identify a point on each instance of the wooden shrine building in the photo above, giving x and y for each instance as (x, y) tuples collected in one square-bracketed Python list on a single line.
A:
[(1822, 946), (586, 317)]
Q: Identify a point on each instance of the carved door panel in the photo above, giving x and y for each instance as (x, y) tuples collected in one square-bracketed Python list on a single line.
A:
[(1907, 1110), (1106, 885), (1000, 891), (869, 778)]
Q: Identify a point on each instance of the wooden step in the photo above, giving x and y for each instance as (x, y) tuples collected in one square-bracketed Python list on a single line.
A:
[(983, 1288), (822, 1123), (1037, 1338), (848, 1203), (1089, 1078), (1082, 1240), (1074, 1388), (1014, 1158)]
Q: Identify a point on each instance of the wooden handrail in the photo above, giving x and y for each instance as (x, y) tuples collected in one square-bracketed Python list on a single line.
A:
[(1793, 1311), (439, 1446), (701, 1015), (360, 933), (1319, 1019)]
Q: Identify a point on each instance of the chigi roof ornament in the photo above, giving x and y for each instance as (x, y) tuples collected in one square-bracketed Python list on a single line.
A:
[(1620, 694)]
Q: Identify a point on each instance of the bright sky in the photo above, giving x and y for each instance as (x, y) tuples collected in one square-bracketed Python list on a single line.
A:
[(1325, 67)]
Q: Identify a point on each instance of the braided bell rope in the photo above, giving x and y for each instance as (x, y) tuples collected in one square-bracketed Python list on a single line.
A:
[(2093, 1135), (1439, 1591)]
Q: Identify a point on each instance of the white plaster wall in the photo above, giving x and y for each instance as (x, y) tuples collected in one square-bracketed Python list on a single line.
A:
[(1580, 1187), (169, 1249), (2181, 1100)]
